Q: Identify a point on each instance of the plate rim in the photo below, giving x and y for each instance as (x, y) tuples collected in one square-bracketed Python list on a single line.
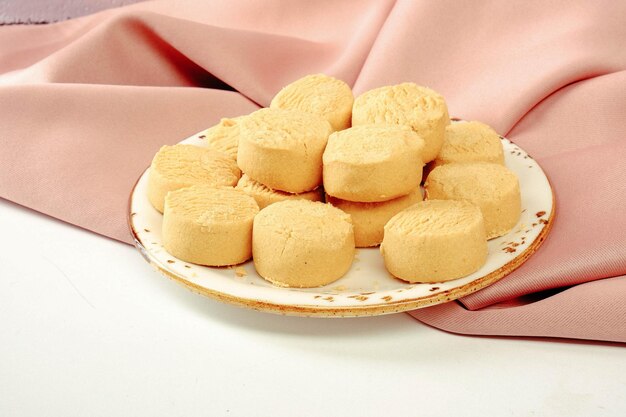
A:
[(396, 306)]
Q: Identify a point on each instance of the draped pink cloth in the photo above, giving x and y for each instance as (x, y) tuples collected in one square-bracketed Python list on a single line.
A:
[(84, 105)]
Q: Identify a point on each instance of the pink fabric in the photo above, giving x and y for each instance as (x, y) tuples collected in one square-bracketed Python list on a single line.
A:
[(85, 103)]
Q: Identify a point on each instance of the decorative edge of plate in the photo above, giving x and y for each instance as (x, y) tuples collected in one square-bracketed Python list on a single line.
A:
[(399, 306)]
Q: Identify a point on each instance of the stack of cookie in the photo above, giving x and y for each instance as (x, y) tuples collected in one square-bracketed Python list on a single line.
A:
[(373, 170), (301, 184)]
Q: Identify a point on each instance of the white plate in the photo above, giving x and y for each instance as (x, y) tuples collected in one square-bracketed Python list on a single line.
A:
[(368, 289)]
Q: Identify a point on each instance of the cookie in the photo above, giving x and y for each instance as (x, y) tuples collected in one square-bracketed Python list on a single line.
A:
[(420, 108), (372, 163), (282, 149), (319, 94), (435, 241), (179, 166), (369, 219), (300, 243), (209, 225), (470, 142), (492, 187), (265, 196), (224, 136)]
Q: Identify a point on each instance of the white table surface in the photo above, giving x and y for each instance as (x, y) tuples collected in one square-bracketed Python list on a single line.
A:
[(87, 328)]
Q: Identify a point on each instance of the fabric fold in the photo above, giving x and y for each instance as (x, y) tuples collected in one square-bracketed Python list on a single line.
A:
[(573, 313)]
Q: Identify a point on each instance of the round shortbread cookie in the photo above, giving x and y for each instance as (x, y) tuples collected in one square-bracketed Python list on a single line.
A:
[(319, 94), (224, 136), (282, 149), (470, 142), (492, 187), (179, 166), (300, 243), (421, 108), (369, 219), (209, 225), (435, 241), (372, 163), (265, 196)]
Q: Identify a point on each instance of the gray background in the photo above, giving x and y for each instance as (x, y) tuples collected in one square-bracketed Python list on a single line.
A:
[(44, 11)]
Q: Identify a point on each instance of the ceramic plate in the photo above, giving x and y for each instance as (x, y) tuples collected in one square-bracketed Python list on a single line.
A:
[(368, 289)]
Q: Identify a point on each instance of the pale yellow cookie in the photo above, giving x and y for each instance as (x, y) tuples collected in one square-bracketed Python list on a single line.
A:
[(300, 243), (470, 142), (421, 108), (492, 187), (372, 163), (282, 149), (369, 219), (180, 166), (318, 94), (224, 136), (435, 241), (209, 225), (265, 196)]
